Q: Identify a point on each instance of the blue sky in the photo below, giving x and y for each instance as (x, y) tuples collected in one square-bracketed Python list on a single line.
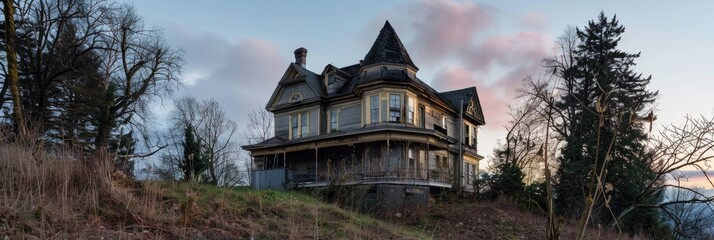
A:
[(236, 51)]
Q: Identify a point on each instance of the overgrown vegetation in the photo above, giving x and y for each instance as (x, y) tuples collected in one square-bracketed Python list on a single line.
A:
[(61, 193), (79, 75), (611, 171)]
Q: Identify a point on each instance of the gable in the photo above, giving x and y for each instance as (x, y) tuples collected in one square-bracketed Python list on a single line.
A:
[(474, 108), (295, 80), (300, 89)]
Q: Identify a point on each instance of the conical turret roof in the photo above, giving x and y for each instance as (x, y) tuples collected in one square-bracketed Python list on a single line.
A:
[(388, 48)]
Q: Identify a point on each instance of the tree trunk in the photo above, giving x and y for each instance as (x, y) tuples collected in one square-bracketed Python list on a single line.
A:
[(12, 77)]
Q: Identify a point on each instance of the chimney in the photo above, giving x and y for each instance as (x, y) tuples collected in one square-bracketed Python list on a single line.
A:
[(301, 56)]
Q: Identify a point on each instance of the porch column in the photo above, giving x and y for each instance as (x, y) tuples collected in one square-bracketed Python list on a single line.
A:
[(428, 162), (316, 169)]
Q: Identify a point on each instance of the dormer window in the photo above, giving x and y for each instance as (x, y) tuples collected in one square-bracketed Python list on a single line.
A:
[(295, 98), (330, 87)]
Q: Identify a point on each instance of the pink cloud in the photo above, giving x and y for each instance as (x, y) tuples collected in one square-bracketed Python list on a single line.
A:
[(464, 37), (508, 50), (492, 96), (443, 27)]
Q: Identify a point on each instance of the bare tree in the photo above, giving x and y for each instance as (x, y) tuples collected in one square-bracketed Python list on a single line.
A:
[(689, 220), (138, 67), (678, 148), (215, 133), (260, 126), (216, 136)]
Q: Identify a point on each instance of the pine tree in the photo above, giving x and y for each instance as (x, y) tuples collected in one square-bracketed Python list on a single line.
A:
[(605, 97), (194, 162)]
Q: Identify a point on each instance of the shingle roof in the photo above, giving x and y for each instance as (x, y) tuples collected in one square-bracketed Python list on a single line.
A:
[(388, 48), (456, 96)]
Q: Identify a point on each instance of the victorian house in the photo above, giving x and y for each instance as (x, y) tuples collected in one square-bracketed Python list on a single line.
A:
[(373, 124)]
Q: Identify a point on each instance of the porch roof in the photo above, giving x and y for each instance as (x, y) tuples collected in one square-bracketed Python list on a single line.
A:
[(369, 129)]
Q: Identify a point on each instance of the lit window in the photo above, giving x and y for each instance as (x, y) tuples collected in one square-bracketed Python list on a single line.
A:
[(410, 110), (333, 120), (374, 108), (395, 111)]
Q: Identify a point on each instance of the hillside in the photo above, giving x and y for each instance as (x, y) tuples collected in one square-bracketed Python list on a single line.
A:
[(493, 220), (57, 195)]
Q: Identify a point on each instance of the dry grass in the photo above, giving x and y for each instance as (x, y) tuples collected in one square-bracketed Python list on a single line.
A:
[(61, 194), (501, 219)]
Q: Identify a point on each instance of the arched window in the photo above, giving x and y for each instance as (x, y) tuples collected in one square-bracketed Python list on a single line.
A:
[(295, 98)]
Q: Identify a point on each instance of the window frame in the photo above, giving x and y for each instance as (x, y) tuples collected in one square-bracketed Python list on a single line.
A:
[(410, 110), (293, 98), (334, 118), (304, 126), (299, 125), (374, 108), (395, 107), (473, 139)]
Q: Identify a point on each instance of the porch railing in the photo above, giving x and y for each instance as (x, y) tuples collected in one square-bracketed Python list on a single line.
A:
[(359, 175)]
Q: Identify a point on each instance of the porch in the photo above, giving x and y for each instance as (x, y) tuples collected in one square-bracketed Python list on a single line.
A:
[(379, 162)]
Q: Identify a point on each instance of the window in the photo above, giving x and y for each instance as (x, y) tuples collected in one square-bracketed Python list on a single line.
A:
[(443, 121), (330, 87), (466, 138), (294, 125), (473, 136), (295, 97), (299, 125), (422, 116), (333, 120), (412, 161), (374, 108), (410, 110), (395, 110), (303, 125)]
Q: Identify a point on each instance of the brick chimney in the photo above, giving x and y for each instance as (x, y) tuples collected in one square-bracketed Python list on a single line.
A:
[(301, 56)]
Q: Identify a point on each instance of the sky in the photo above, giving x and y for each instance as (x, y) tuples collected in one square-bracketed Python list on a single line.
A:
[(236, 51)]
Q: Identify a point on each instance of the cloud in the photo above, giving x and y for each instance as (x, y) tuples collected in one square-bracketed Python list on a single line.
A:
[(491, 96), (464, 41), (694, 178), (244, 80), (444, 27), (240, 75)]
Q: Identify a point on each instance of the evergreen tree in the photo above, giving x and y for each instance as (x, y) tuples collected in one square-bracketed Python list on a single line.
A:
[(194, 162), (605, 96)]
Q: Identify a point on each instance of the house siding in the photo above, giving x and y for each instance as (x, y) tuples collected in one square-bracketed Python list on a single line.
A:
[(301, 88), (350, 117)]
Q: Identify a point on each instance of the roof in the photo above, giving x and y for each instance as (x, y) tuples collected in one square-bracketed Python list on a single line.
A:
[(388, 48), (467, 94)]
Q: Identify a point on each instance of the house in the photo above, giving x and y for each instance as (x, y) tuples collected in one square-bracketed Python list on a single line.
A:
[(373, 124)]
